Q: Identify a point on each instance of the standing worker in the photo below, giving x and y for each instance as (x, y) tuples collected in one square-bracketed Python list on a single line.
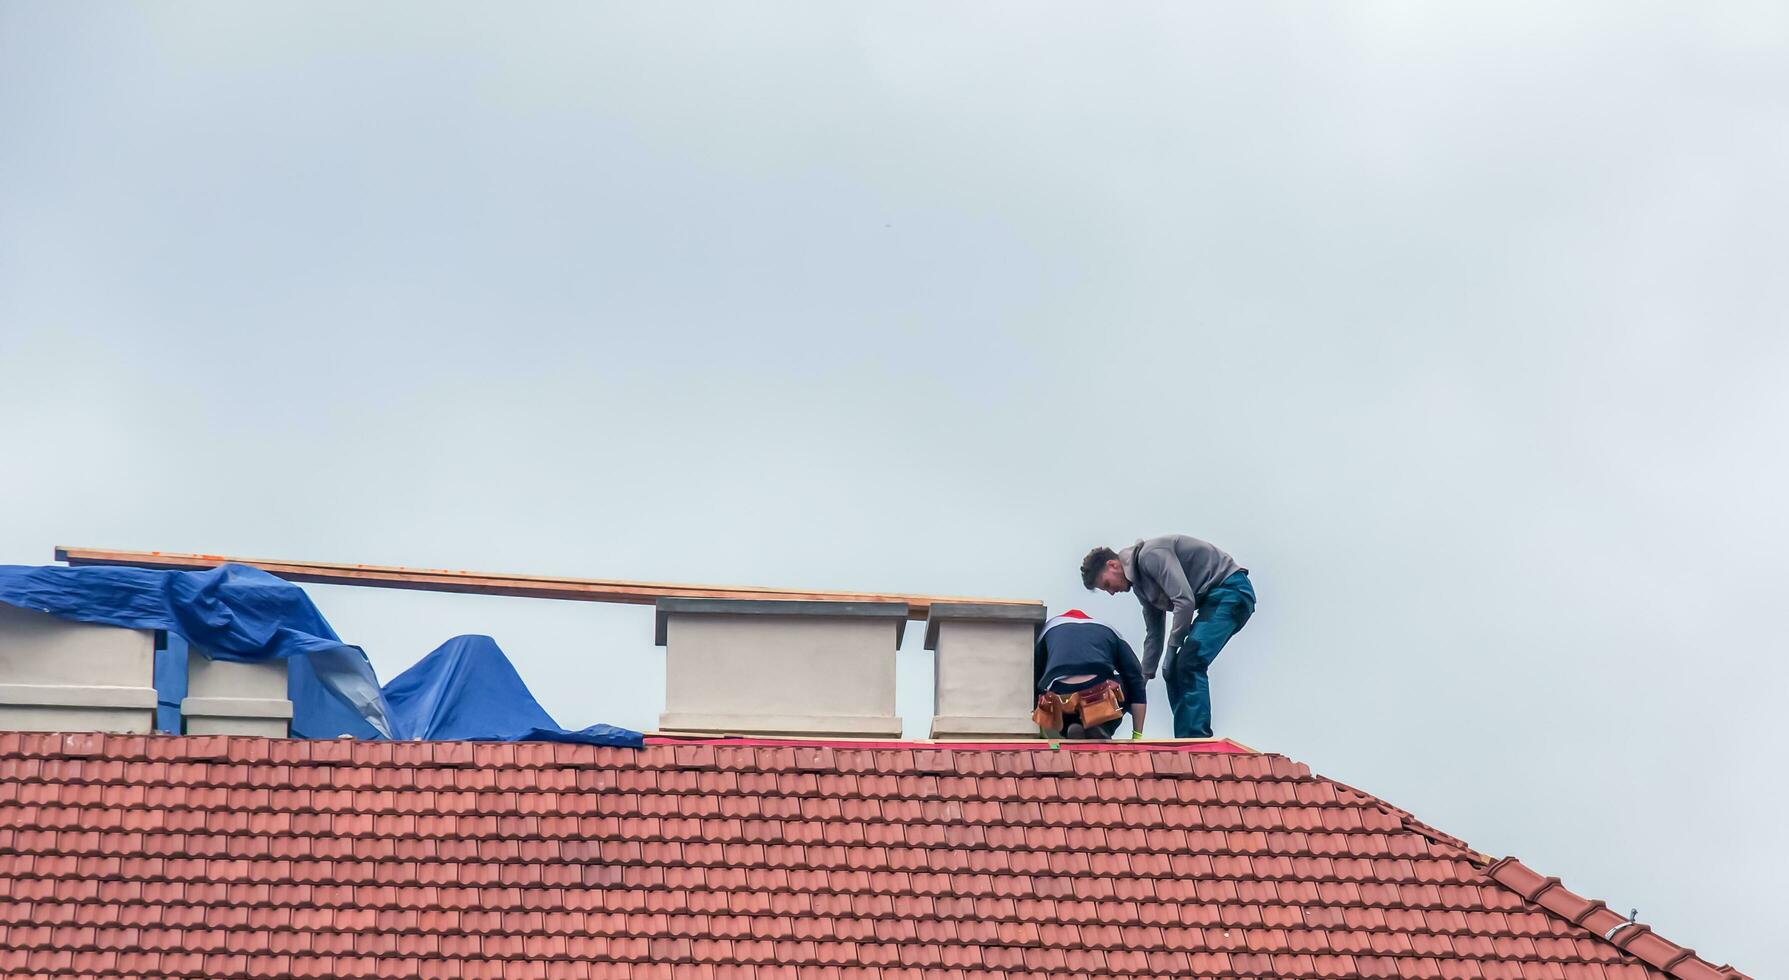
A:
[(1185, 576)]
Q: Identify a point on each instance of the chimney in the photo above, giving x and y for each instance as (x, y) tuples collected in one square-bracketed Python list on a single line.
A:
[(982, 669), (780, 667), (57, 675), (224, 697)]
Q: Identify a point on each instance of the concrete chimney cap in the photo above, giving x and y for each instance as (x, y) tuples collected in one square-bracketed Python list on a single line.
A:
[(984, 612), (684, 606)]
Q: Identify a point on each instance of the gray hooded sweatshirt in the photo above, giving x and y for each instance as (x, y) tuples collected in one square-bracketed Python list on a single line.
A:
[(1171, 574)]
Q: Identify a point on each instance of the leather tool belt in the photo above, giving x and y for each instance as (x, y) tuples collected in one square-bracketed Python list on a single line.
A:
[(1091, 706)]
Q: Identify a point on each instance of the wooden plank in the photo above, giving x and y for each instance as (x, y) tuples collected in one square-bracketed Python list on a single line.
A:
[(488, 583)]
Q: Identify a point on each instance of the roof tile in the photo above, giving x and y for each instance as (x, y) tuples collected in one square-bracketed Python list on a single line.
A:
[(252, 857)]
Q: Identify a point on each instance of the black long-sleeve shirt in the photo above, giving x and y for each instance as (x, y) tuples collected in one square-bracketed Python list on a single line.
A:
[(1070, 647)]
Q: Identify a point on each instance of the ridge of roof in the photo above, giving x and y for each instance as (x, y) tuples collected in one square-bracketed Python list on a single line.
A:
[(1635, 939), (1414, 825)]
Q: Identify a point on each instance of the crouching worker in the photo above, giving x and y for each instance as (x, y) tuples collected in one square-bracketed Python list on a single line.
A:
[(1087, 678)]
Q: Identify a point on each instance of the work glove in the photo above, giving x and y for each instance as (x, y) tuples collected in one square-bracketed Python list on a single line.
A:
[(1136, 734)]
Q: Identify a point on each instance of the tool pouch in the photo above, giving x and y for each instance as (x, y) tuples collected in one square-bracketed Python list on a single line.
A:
[(1048, 715), (1101, 703)]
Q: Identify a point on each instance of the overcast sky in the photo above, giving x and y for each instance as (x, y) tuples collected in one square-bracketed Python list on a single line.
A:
[(1463, 327)]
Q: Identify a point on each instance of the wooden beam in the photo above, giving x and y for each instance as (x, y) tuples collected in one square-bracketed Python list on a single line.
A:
[(489, 583)]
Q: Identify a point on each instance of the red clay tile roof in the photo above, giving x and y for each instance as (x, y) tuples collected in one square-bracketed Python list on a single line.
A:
[(157, 856)]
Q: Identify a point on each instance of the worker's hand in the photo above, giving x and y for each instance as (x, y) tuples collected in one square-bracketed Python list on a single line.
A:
[(1137, 735)]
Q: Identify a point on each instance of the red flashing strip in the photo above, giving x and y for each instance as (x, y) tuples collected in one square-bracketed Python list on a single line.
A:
[(1216, 746)]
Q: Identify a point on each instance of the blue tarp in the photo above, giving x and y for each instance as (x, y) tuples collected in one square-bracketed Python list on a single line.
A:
[(316, 713), (233, 611), (466, 689), (170, 682)]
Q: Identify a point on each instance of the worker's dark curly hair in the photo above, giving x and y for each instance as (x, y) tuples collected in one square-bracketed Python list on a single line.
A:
[(1091, 565)]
